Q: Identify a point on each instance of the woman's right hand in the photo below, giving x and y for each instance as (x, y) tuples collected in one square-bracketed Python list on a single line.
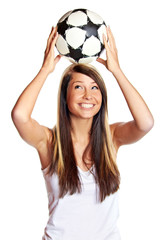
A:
[(50, 60)]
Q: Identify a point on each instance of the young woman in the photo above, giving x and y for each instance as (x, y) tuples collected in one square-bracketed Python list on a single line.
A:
[(78, 156)]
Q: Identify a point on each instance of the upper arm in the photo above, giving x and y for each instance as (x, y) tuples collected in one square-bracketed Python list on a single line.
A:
[(126, 133), (32, 132), (36, 135)]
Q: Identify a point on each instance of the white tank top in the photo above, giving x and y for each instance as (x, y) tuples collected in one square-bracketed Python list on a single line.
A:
[(80, 216)]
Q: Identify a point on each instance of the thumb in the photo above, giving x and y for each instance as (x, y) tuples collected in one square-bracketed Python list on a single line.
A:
[(100, 60), (57, 58)]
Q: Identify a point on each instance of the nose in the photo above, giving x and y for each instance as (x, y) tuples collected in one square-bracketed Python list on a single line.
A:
[(87, 95)]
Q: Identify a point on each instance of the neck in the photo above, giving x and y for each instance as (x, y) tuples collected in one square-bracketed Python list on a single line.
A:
[(80, 129)]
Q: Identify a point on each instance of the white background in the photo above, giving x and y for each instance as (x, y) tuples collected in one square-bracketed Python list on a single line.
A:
[(24, 29)]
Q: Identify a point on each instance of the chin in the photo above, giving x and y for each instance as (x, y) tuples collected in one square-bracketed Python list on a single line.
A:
[(84, 116)]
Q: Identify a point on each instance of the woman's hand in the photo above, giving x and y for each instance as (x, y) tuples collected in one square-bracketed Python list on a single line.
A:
[(132, 131), (111, 62), (50, 60)]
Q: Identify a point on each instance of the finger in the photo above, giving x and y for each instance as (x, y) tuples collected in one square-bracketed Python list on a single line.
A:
[(102, 61), (53, 30), (105, 41), (51, 35), (54, 40), (111, 38)]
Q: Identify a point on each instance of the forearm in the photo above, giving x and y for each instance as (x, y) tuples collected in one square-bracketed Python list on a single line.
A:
[(138, 108), (26, 102)]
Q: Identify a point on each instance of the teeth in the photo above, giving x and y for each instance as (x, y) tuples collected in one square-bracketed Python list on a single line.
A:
[(84, 105)]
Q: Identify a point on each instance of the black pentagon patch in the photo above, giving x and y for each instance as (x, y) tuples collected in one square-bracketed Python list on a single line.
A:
[(62, 27), (91, 29), (76, 54)]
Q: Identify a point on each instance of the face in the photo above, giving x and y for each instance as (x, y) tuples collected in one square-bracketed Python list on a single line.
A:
[(84, 97)]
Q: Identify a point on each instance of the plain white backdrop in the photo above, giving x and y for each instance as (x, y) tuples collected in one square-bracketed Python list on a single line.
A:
[(24, 28)]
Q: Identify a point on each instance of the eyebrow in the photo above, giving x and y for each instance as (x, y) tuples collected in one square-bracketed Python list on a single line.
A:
[(82, 82)]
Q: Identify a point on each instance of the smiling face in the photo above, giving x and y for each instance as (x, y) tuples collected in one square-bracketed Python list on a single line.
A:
[(84, 97)]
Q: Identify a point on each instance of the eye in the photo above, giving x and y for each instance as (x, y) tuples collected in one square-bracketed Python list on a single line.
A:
[(95, 87), (77, 87)]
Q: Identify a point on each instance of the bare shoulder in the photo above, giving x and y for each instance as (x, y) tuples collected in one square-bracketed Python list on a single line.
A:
[(45, 148)]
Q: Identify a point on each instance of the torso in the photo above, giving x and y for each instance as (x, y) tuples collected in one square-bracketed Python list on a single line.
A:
[(75, 205)]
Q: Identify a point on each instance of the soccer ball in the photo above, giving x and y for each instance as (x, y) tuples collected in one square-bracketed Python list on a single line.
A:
[(80, 36)]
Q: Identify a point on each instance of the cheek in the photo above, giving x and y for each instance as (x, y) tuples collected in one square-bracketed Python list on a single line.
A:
[(98, 96), (71, 98)]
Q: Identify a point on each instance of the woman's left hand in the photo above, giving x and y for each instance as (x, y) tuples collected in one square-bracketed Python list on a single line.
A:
[(111, 62), (50, 60)]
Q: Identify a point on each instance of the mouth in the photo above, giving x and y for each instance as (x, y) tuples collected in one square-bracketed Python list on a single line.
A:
[(86, 105)]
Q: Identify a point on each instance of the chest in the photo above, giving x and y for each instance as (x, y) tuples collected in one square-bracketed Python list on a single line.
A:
[(83, 157)]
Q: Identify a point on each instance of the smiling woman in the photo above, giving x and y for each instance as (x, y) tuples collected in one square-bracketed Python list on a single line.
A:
[(82, 111), (78, 156)]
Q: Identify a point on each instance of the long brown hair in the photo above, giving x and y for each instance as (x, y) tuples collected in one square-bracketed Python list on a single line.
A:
[(102, 151)]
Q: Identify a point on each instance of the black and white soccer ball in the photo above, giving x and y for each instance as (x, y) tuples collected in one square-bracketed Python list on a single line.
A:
[(80, 35)]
